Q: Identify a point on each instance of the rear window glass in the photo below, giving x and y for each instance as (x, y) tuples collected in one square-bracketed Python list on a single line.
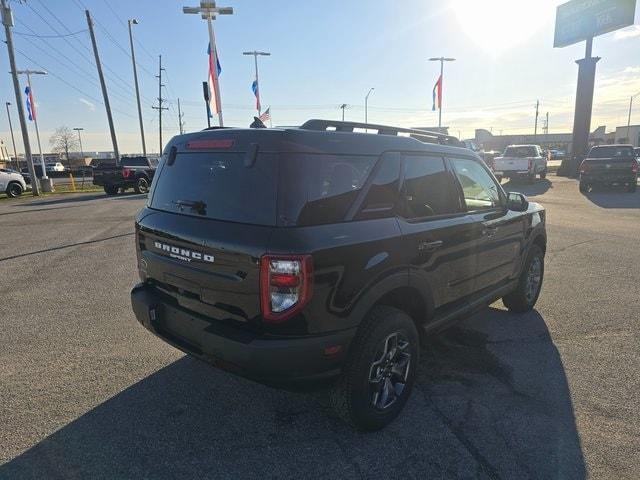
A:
[(134, 162), (611, 152), (317, 188), (219, 186), (520, 152)]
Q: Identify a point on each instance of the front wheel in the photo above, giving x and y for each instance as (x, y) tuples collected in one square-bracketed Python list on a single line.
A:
[(525, 296), (379, 374), (14, 189)]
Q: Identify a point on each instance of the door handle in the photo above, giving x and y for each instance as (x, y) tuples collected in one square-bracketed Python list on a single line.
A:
[(430, 246), (489, 230)]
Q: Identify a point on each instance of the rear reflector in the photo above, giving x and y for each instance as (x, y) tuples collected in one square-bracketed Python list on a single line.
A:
[(206, 144)]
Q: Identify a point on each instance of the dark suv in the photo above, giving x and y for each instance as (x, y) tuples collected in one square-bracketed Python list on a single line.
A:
[(300, 254)]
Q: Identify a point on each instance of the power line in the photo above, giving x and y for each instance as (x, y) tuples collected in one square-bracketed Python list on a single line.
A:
[(49, 36)]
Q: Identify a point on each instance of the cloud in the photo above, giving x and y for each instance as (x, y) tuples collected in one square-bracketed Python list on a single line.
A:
[(631, 32), (89, 105)]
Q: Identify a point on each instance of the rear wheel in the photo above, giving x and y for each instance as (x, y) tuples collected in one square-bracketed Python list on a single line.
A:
[(142, 185), (378, 376), (14, 189), (524, 297), (110, 190), (584, 187)]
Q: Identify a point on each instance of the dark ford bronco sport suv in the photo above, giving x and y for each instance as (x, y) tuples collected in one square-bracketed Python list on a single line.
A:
[(299, 254)]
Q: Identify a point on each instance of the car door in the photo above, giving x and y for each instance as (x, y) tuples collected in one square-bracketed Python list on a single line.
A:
[(437, 235), (501, 230)]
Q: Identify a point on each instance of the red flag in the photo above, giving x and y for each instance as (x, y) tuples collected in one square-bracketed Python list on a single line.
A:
[(437, 92)]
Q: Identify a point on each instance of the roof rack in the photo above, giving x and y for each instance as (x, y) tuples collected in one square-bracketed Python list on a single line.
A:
[(338, 126)]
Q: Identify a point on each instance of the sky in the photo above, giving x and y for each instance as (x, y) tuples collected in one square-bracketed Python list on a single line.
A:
[(323, 54)]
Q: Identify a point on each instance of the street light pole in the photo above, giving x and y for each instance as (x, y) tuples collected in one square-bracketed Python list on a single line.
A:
[(28, 73), (208, 11), (366, 105), (343, 106), (13, 140), (135, 79), (441, 60), (79, 129), (255, 54)]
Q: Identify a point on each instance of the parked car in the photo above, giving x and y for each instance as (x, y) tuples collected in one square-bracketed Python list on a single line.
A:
[(51, 167), (521, 162), (130, 172), (289, 255), (610, 165), (12, 182), (557, 154)]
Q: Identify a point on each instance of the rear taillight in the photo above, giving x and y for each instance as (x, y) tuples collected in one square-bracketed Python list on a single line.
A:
[(634, 167), (126, 173), (286, 283), (584, 167)]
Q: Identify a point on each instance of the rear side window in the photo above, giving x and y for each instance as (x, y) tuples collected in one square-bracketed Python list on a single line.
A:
[(428, 188), (382, 196), (316, 189), (219, 186)]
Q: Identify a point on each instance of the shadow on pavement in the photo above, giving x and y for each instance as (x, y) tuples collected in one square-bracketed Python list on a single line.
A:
[(614, 198), (491, 401), (83, 197), (539, 187)]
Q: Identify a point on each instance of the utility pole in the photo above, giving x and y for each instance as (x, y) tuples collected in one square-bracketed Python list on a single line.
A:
[(13, 140), (79, 129), (546, 125), (366, 105), (180, 122), (7, 21), (160, 108), (535, 128), (441, 60), (628, 120), (343, 106), (105, 96), (208, 11), (255, 54), (135, 79)]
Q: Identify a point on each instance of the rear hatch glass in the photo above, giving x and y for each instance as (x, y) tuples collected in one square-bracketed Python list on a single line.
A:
[(219, 186), (520, 152)]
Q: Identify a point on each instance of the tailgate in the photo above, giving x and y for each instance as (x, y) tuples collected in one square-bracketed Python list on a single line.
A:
[(507, 164), (207, 266), (106, 175), (610, 166)]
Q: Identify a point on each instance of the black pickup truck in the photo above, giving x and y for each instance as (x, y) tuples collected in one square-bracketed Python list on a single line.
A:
[(130, 172), (611, 165)]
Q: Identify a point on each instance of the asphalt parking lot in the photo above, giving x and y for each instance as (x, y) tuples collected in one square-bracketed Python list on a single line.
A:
[(88, 393)]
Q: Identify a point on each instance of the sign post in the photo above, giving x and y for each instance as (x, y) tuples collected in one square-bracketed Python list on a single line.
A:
[(576, 21)]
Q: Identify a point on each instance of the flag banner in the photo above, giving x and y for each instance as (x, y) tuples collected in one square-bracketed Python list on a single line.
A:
[(214, 73), (266, 115), (31, 106), (437, 94), (256, 92)]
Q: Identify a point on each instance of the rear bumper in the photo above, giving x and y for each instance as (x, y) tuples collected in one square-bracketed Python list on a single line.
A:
[(266, 359), (511, 173)]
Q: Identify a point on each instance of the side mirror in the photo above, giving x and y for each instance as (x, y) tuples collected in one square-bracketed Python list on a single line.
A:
[(517, 202)]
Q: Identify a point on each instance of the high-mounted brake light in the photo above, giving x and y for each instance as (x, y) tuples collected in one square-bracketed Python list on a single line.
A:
[(206, 144), (286, 283)]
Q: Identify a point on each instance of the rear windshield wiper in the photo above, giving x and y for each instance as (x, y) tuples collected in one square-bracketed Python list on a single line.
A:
[(197, 206)]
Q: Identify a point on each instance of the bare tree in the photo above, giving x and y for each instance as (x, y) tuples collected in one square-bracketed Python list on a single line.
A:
[(63, 140)]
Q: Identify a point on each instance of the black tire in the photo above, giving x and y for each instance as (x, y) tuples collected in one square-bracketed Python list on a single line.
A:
[(354, 397), (142, 185), (525, 296), (14, 189), (110, 190), (584, 187), (543, 174), (632, 188)]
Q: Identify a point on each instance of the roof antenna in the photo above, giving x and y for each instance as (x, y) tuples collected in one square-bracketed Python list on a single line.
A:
[(257, 123)]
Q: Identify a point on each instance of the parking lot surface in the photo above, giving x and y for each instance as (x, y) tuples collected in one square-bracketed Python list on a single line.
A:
[(88, 393)]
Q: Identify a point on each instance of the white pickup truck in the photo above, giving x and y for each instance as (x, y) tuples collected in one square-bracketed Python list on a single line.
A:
[(521, 161)]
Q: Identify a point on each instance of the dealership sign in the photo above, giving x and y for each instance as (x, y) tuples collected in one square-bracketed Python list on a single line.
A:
[(579, 20)]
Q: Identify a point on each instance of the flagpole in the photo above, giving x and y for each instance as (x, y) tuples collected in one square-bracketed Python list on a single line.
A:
[(442, 90), (35, 121), (214, 53)]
